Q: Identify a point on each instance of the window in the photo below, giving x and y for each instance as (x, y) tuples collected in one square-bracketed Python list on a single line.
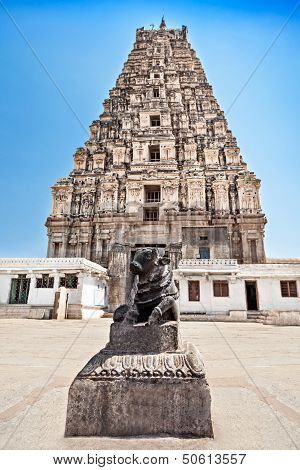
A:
[(152, 193), (153, 196), (204, 238), (151, 215), (155, 92), (204, 253), (221, 289), (19, 290), (154, 151), (194, 291), (156, 75), (70, 281), (154, 121), (288, 289), (45, 282)]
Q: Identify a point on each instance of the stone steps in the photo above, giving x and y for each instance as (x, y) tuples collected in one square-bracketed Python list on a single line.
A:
[(25, 311)]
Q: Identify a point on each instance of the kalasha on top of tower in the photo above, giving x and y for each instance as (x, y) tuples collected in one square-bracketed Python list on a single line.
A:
[(163, 23), (149, 34)]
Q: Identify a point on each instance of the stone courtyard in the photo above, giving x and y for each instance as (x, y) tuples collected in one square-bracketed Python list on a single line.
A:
[(253, 371)]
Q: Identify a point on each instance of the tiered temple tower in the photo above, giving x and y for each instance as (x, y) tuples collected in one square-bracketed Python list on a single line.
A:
[(161, 168)]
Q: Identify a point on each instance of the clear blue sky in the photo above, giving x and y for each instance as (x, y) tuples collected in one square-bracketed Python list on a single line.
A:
[(83, 44)]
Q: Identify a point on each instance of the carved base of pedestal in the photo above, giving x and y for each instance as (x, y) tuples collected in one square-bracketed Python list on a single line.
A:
[(141, 394)]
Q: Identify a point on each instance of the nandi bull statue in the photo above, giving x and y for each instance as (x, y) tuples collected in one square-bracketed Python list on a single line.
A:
[(156, 297), (146, 380)]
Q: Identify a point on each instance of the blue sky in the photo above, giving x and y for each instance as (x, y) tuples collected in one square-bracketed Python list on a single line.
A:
[(83, 45)]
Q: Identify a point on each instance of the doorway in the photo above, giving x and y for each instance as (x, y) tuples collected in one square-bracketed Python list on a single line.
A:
[(251, 295)]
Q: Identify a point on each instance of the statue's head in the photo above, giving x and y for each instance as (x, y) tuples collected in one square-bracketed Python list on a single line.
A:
[(145, 259)]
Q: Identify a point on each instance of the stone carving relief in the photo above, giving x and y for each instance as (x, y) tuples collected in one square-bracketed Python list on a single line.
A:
[(99, 160), (196, 194), (76, 204), (190, 151), (139, 152), (249, 198), (134, 196), (119, 155), (93, 131), (108, 196), (220, 127), (233, 199), (167, 151), (236, 245), (80, 159), (220, 188), (87, 204), (170, 191), (211, 156), (232, 156), (184, 121), (61, 202), (200, 127)]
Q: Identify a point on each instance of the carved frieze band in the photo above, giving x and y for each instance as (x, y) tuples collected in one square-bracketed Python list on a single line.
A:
[(164, 365)]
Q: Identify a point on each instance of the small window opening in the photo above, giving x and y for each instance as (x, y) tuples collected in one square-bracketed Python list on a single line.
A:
[(221, 289), (155, 121), (194, 291), (70, 281), (45, 282), (204, 253), (288, 289), (154, 152), (151, 215)]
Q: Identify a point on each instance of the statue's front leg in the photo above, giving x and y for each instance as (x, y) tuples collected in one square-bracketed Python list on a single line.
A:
[(168, 303), (156, 315)]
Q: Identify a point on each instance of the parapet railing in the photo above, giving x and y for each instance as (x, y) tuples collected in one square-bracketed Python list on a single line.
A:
[(208, 262)]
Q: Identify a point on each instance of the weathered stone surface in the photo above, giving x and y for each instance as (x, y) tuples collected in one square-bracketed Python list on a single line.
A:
[(143, 338), (156, 387), (144, 406)]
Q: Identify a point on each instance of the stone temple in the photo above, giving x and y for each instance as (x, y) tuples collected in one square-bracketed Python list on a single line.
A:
[(160, 169)]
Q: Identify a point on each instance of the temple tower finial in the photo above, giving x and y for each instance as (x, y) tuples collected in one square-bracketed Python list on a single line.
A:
[(163, 23)]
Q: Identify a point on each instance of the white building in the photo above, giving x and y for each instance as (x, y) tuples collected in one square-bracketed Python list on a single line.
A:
[(224, 287), (31, 287)]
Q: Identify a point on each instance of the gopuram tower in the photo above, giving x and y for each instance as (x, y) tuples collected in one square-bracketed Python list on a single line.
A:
[(161, 168)]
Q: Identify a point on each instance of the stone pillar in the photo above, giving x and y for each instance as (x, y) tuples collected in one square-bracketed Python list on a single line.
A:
[(32, 287), (56, 276), (245, 247), (118, 273), (63, 304), (175, 254), (63, 248)]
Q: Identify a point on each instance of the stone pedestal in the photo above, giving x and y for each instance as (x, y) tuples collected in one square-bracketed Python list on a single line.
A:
[(144, 382)]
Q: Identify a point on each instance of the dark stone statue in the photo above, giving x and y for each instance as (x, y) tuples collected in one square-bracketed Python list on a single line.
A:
[(146, 380), (155, 299)]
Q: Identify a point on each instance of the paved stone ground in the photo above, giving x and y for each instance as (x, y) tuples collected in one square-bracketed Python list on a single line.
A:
[(253, 371)]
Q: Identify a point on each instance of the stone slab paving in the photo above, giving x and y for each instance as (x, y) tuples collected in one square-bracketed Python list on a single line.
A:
[(253, 371)]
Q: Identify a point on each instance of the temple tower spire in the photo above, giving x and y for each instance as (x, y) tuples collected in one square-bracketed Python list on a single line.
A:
[(161, 168)]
